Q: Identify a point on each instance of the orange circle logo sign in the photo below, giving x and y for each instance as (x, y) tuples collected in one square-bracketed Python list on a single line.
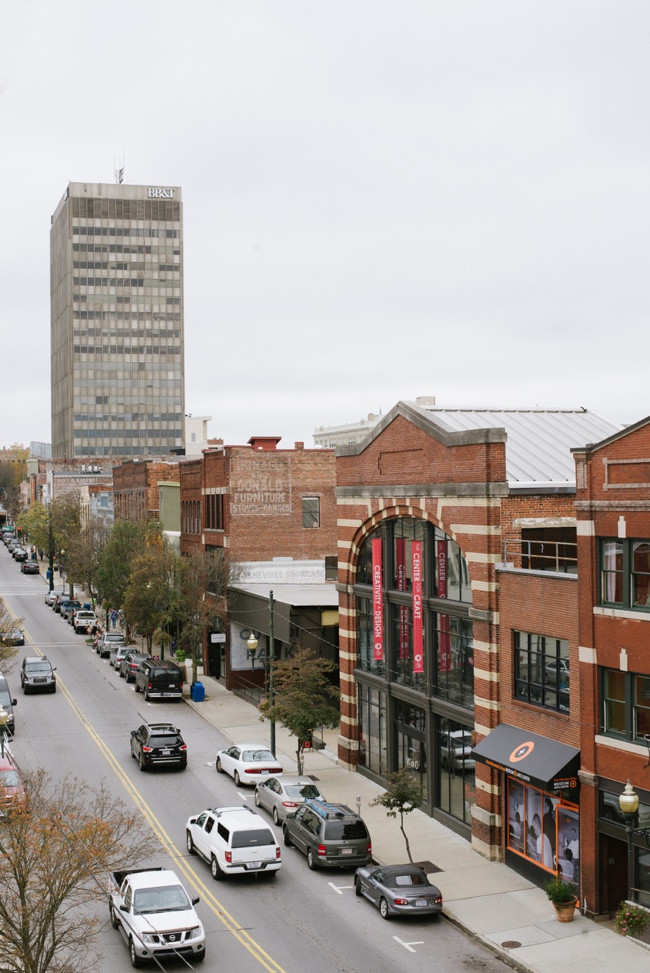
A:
[(522, 751)]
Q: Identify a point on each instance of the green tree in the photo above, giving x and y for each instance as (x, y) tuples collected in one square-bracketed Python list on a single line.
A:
[(127, 541), (13, 470), (303, 696), (35, 522), (403, 795), (201, 586), (56, 847), (8, 622), (149, 593)]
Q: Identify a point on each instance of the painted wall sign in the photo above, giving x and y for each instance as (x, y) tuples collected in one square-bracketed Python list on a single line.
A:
[(261, 486)]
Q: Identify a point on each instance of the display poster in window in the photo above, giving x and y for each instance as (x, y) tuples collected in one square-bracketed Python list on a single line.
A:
[(416, 583), (400, 564), (377, 602), (444, 640)]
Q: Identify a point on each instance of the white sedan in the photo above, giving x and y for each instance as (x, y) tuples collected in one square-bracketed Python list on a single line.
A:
[(247, 762)]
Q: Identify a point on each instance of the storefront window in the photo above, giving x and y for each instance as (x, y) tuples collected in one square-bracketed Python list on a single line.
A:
[(457, 783), (454, 676), (542, 829), (402, 663), (372, 730), (410, 740), (365, 649)]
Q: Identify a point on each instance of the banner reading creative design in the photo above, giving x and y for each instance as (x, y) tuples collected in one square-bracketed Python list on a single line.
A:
[(416, 584), (377, 602)]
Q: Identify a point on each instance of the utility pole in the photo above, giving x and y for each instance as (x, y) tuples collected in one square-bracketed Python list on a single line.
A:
[(271, 673)]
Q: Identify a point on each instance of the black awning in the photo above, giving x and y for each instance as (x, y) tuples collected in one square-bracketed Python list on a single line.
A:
[(531, 758)]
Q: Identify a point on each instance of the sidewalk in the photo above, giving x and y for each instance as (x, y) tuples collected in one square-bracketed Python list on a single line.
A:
[(488, 900)]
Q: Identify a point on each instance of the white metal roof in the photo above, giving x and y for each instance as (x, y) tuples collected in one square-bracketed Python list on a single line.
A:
[(539, 443), (298, 595)]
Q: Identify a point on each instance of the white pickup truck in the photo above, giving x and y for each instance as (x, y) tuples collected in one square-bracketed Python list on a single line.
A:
[(155, 915)]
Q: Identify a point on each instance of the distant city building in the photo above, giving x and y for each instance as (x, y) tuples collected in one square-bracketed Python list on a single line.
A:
[(116, 282), (40, 450), (196, 434), (329, 437)]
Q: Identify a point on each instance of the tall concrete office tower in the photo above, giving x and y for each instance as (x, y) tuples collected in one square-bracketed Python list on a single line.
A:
[(116, 285)]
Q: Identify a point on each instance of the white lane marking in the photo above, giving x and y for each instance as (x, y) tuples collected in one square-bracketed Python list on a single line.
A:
[(339, 888), (419, 942)]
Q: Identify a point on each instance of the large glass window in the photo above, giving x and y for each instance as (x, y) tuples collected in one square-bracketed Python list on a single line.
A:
[(454, 644), (624, 576), (372, 730), (544, 830), (625, 709), (542, 673), (365, 647), (410, 742), (457, 783)]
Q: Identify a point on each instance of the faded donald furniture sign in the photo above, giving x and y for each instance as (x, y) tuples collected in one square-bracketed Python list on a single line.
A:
[(261, 486)]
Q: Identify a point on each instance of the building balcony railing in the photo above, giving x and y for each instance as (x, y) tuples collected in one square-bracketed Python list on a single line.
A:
[(560, 557)]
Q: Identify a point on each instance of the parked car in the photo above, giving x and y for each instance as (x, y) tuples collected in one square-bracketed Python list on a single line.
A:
[(117, 654), (30, 567), (246, 762), (279, 795), (159, 679), (7, 702), (130, 663), (56, 604), (37, 674), (15, 636), (50, 598), (84, 620), (456, 751), (234, 841), (68, 607), (107, 642), (398, 890), (158, 744), (19, 554), (330, 835), (12, 788)]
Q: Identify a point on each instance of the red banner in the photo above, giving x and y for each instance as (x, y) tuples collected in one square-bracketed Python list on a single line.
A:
[(377, 602), (416, 582), (400, 564), (444, 641)]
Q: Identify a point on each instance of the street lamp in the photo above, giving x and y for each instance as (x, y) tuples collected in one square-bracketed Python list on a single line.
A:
[(269, 659), (628, 802)]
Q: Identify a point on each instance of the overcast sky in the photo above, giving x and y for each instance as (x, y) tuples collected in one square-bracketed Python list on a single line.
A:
[(382, 198)]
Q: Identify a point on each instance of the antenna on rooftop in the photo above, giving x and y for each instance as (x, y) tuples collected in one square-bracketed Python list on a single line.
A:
[(119, 170)]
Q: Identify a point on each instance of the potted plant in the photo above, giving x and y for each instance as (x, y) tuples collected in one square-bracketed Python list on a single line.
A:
[(563, 896)]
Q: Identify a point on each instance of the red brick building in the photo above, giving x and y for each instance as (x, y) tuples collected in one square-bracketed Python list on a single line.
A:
[(459, 619), (613, 511), (135, 487), (273, 510)]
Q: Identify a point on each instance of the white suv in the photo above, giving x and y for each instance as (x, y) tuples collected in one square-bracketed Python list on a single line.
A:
[(234, 841)]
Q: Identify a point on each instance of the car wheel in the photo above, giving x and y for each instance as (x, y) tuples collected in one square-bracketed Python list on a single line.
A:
[(136, 962), (141, 761), (136, 687), (357, 886), (189, 842), (111, 913), (383, 909), (217, 874), (219, 767), (276, 816), (199, 957), (287, 840), (311, 861), (236, 778), (53, 689), (257, 798)]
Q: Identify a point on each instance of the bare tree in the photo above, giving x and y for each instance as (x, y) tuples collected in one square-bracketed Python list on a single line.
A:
[(56, 846), (403, 795), (7, 624)]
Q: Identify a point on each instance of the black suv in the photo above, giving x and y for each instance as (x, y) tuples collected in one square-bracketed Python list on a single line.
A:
[(330, 835), (37, 675), (159, 679), (158, 744)]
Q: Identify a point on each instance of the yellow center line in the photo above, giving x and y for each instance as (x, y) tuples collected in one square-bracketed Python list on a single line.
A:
[(214, 904)]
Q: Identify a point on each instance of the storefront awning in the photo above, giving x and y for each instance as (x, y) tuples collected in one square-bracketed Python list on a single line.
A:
[(535, 759)]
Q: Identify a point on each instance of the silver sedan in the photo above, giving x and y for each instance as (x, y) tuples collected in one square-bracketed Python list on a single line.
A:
[(285, 793), (398, 890)]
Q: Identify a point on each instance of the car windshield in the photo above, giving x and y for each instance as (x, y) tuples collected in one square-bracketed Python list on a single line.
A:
[(164, 741), (37, 667), (5, 698), (9, 778), (345, 830), (167, 899), (252, 839), (250, 755), (409, 879), (305, 791)]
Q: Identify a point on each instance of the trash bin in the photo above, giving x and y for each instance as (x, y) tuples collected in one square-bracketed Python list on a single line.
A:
[(198, 692)]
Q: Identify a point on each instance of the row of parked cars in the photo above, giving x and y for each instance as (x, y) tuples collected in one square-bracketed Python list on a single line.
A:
[(28, 565), (81, 617)]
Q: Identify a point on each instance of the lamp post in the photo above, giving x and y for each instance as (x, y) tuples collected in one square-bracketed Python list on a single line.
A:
[(629, 804), (50, 544), (251, 644)]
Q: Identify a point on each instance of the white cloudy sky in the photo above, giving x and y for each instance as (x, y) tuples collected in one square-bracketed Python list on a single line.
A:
[(382, 198)]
